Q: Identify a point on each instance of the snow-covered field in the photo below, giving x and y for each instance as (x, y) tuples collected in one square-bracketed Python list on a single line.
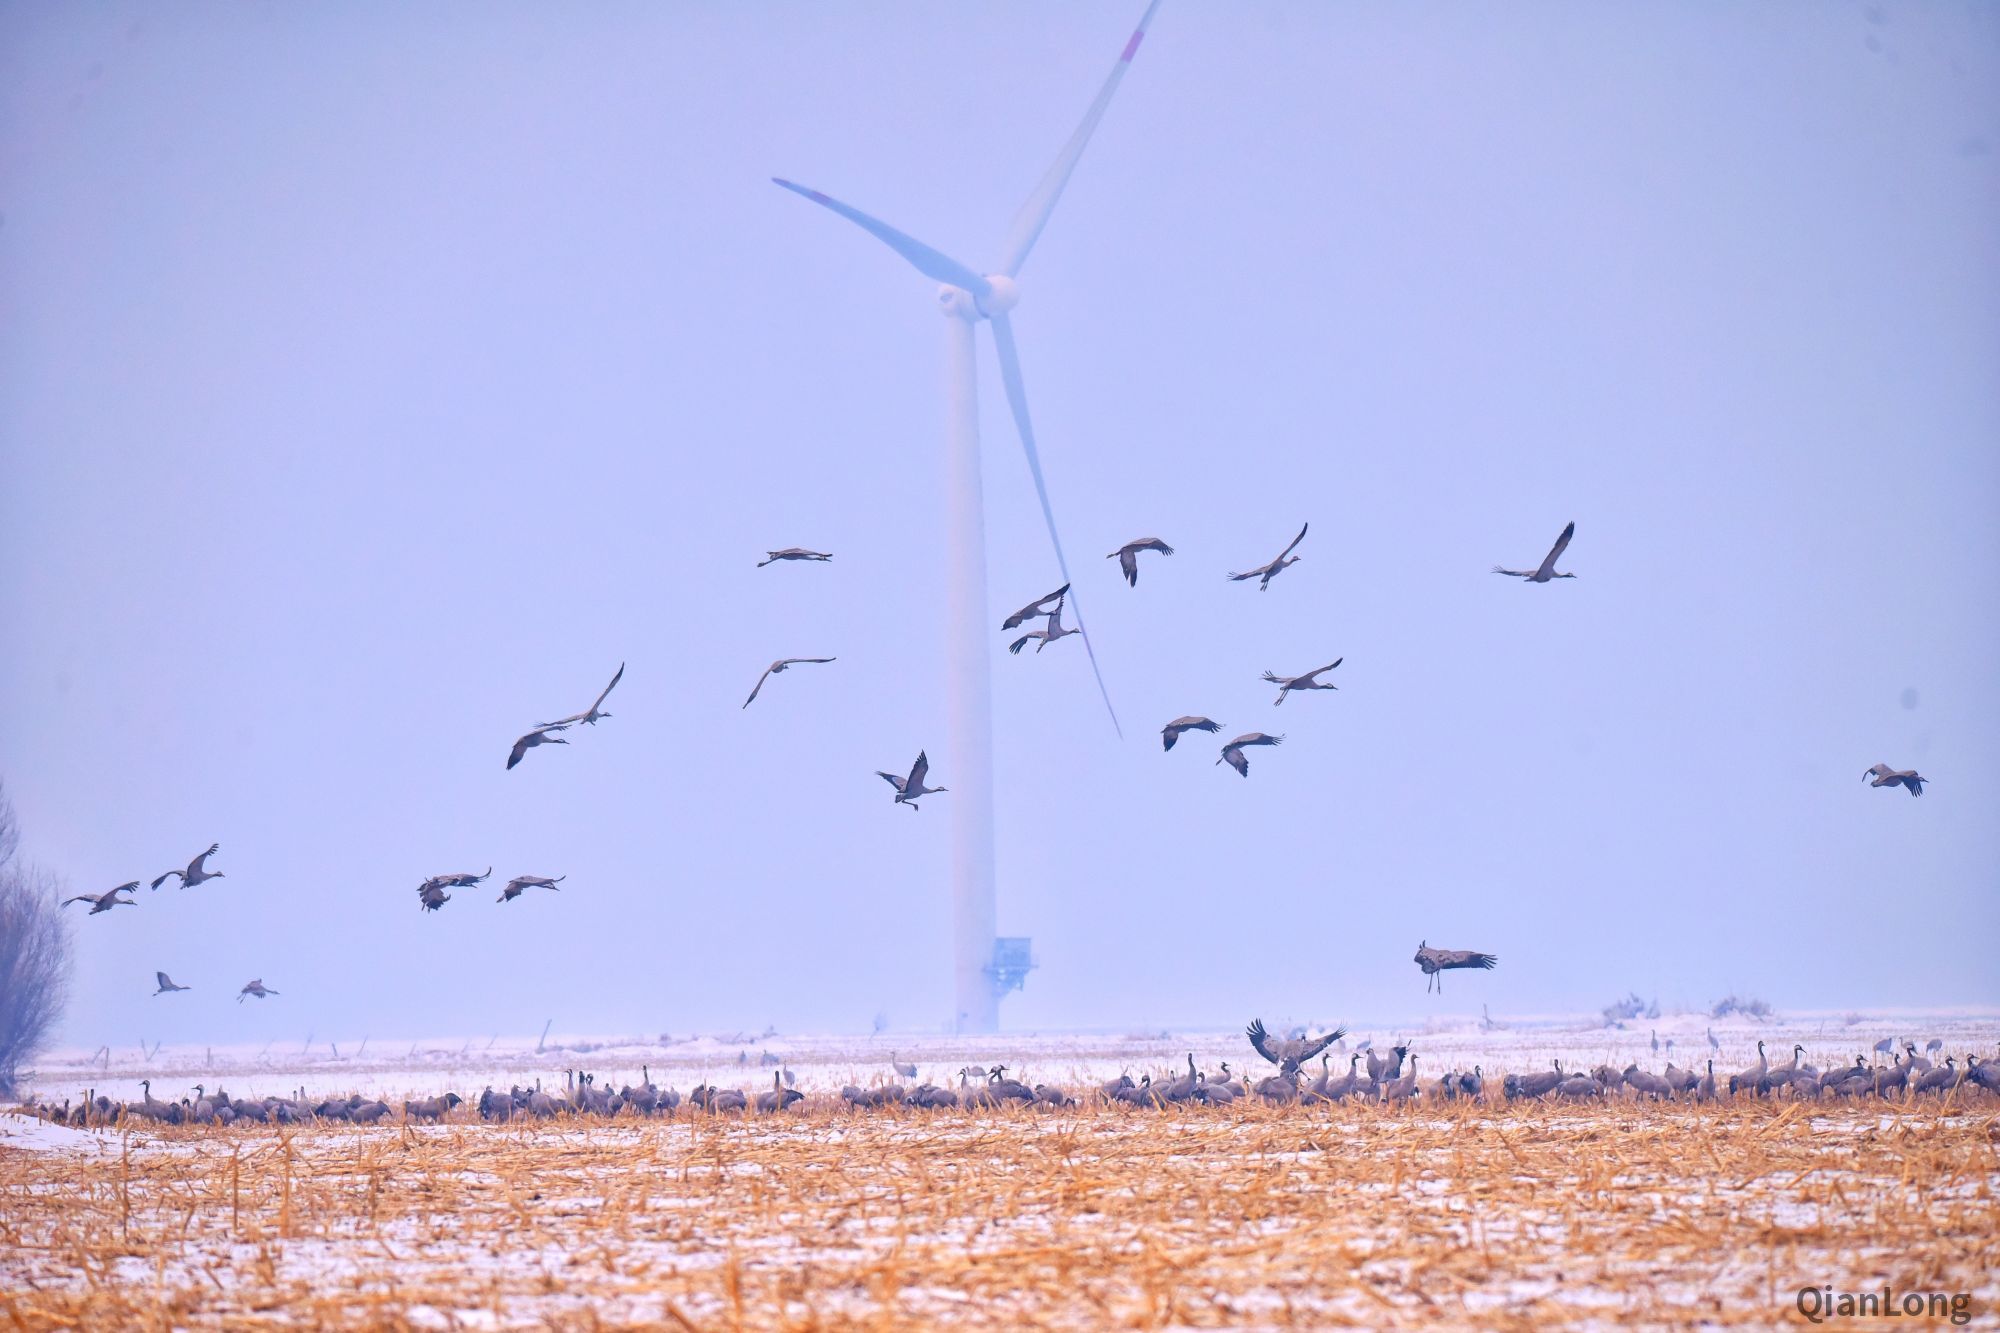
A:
[(1492, 1215), (825, 1063)]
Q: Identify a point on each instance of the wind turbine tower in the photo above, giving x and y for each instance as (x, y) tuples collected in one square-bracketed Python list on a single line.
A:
[(982, 969)]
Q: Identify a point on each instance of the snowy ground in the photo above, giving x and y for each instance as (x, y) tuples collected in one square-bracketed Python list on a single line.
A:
[(825, 1063), (1487, 1216)]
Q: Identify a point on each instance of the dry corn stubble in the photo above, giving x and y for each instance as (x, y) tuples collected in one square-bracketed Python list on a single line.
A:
[(1487, 1215)]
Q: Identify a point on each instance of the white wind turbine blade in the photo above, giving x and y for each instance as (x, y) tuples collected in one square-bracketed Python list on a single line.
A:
[(1034, 214), (1017, 399), (931, 263)]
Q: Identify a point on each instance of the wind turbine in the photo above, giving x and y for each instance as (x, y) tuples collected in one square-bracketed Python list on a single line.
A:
[(967, 297)]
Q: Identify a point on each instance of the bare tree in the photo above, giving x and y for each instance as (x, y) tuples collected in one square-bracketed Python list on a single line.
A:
[(10, 829), (34, 953)]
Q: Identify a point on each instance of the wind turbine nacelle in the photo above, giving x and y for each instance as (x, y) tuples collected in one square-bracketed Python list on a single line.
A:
[(957, 302), (1002, 295)]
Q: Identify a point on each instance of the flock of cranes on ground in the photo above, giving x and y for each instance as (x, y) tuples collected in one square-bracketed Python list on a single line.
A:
[(1372, 1076)]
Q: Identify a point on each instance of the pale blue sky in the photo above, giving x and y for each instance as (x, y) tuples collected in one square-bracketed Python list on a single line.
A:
[(374, 379)]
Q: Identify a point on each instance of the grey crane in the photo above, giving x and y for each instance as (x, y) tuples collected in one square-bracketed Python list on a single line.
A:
[(1886, 1046), (1886, 776), (1753, 1077), (779, 1097), (196, 872), (1547, 569), (1310, 681), (1127, 556), (166, 984), (1349, 1085), (910, 788), (1941, 1079), (590, 715), (1265, 573), (1435, 961), (1288, 1053), (1007, 1089), (462, 880), (1644, 1083), (775, 668), (1047, 635), (1897, 1075), (1317, 1090), (1232, 753), (256, 988), (1172, 731), (520, 884), (793, 553), (1034, 609), (1404, 1088), (905, 1070), (1390, 1064), (431, 1109), (1578, 1086), (431, 895), (1835, 1077), (539, 736), (1538, 1084), (104, 902), (1185, 1087), (1221, 1091)]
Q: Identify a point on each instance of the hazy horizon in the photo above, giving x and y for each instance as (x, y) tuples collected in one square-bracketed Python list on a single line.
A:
[(376, 381)]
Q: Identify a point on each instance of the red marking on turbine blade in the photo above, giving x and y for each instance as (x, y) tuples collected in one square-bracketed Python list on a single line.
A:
[(1132, 47)]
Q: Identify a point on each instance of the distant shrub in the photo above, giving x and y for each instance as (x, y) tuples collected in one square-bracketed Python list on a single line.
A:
[(1747, 1005), (1630, 1007), (34, 954)]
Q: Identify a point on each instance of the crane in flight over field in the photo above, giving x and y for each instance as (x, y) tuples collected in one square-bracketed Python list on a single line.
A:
[(1265, 573), (794, 553), (592, 713), (104, 902), (520, 884), (1048, 634), (1288, 1053), (1172, 731), (1435, 961), (1038, 607), (1547, 569), (166, 984), (1232, 753), (775, 668), (1127, 556), (539, 736), (910, 788), (1886, 776), (196, 873), (1309, 681)]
